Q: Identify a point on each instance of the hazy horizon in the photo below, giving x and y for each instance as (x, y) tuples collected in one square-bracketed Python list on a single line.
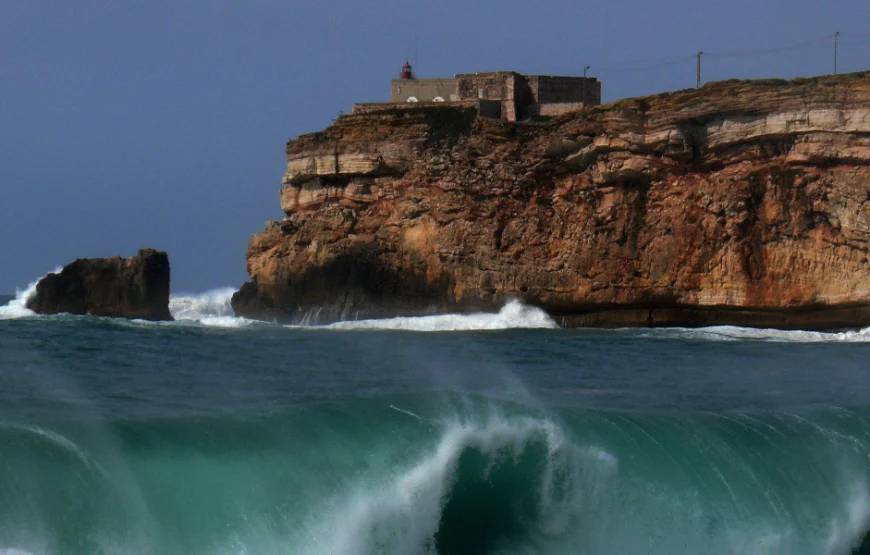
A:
[(163, 125)]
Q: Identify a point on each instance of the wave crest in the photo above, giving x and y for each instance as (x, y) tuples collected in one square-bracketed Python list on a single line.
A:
[(484, 487), (514, 314), (523, 485), (211, 308), (736, 333), (17, 307)]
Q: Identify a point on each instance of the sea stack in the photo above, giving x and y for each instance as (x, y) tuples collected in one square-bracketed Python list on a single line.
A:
[(135, 287), (740, 202)]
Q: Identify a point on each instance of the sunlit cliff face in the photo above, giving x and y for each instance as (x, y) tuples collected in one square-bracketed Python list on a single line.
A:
[(740, 202)]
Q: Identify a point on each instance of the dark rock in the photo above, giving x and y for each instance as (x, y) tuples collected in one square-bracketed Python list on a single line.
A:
[(248, 303), (136, 287)]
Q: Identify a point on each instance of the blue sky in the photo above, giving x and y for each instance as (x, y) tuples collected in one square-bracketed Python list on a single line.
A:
[(162, 123)]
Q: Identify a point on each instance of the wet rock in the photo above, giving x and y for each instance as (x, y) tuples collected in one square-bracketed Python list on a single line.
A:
[(136, 287)]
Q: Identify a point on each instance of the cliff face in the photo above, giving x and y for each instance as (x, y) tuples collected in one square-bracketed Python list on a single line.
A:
[(738, 203)]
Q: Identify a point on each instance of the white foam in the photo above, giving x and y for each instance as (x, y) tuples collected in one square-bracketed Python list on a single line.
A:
[(17, 307), (211, 308), (196, 306), (513, 315), (735, 333), (226, 322), (403, 514), (846, 532)]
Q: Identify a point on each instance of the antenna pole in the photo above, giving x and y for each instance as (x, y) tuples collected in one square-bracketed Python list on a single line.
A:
[(836, 41), (585, 69), (699, 69)]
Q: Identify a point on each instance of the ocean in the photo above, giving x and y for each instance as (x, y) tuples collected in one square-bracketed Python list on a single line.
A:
[(450, 435)]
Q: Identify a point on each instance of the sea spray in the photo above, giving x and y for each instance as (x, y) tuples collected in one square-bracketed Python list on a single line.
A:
[(502, 467), (123, 437), (734, 333), (451, 476), (521, 485), (514, 315), (211, 308), (195, 306), (17, 307)]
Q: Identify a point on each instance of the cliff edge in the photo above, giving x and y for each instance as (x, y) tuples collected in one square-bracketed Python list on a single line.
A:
[(742, 202)]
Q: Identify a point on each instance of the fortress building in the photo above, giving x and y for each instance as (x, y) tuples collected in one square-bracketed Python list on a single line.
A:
[(506, 95)]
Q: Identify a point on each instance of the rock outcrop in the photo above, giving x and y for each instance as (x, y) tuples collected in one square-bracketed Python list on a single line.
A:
[(742, 202), (136, 287)]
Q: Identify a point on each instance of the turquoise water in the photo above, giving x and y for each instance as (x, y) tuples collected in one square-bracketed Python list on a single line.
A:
[(449, 435)]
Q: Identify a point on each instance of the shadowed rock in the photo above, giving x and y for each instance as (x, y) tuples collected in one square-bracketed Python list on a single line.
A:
[(136, 287)]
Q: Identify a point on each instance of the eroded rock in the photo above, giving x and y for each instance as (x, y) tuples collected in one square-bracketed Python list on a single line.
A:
[(740, 202), (135, 287)]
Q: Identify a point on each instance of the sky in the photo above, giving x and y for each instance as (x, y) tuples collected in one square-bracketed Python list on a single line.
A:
[(162, 124)]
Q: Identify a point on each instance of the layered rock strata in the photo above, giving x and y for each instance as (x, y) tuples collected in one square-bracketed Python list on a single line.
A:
[(135, 287), (740, 202)]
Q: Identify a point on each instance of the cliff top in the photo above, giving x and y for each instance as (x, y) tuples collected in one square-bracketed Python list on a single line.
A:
[(714, 99)]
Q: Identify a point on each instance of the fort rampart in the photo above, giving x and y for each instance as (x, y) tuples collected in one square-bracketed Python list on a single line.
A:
[(505, 95)]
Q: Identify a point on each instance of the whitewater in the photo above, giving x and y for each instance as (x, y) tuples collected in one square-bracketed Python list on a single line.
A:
[(447, 434), (212, 308)]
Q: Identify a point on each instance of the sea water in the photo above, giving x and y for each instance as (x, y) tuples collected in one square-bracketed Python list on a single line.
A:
[(450, 434)]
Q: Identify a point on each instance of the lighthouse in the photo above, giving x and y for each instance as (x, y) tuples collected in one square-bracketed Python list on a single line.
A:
[(407, 72)]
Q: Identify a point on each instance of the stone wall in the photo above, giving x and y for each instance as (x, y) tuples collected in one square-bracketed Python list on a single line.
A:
[(549, 89), (489, 109), (376, 107), (524, 97), (424, 90), (491, 86), (519, 97), (593, 92)]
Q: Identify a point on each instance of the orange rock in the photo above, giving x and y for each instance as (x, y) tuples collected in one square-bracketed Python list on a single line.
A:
[(743, 202)]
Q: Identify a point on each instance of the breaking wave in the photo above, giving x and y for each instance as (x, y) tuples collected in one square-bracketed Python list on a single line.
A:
[(735, 333), (513, 315), (443, 477), (524, 485), (211, 308), (17, 307)]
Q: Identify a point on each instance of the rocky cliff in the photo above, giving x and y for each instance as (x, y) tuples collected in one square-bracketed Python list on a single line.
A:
[(737, 203), (135, 287)]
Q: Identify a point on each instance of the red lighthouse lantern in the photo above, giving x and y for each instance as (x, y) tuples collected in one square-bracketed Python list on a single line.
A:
[(406, 71)]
